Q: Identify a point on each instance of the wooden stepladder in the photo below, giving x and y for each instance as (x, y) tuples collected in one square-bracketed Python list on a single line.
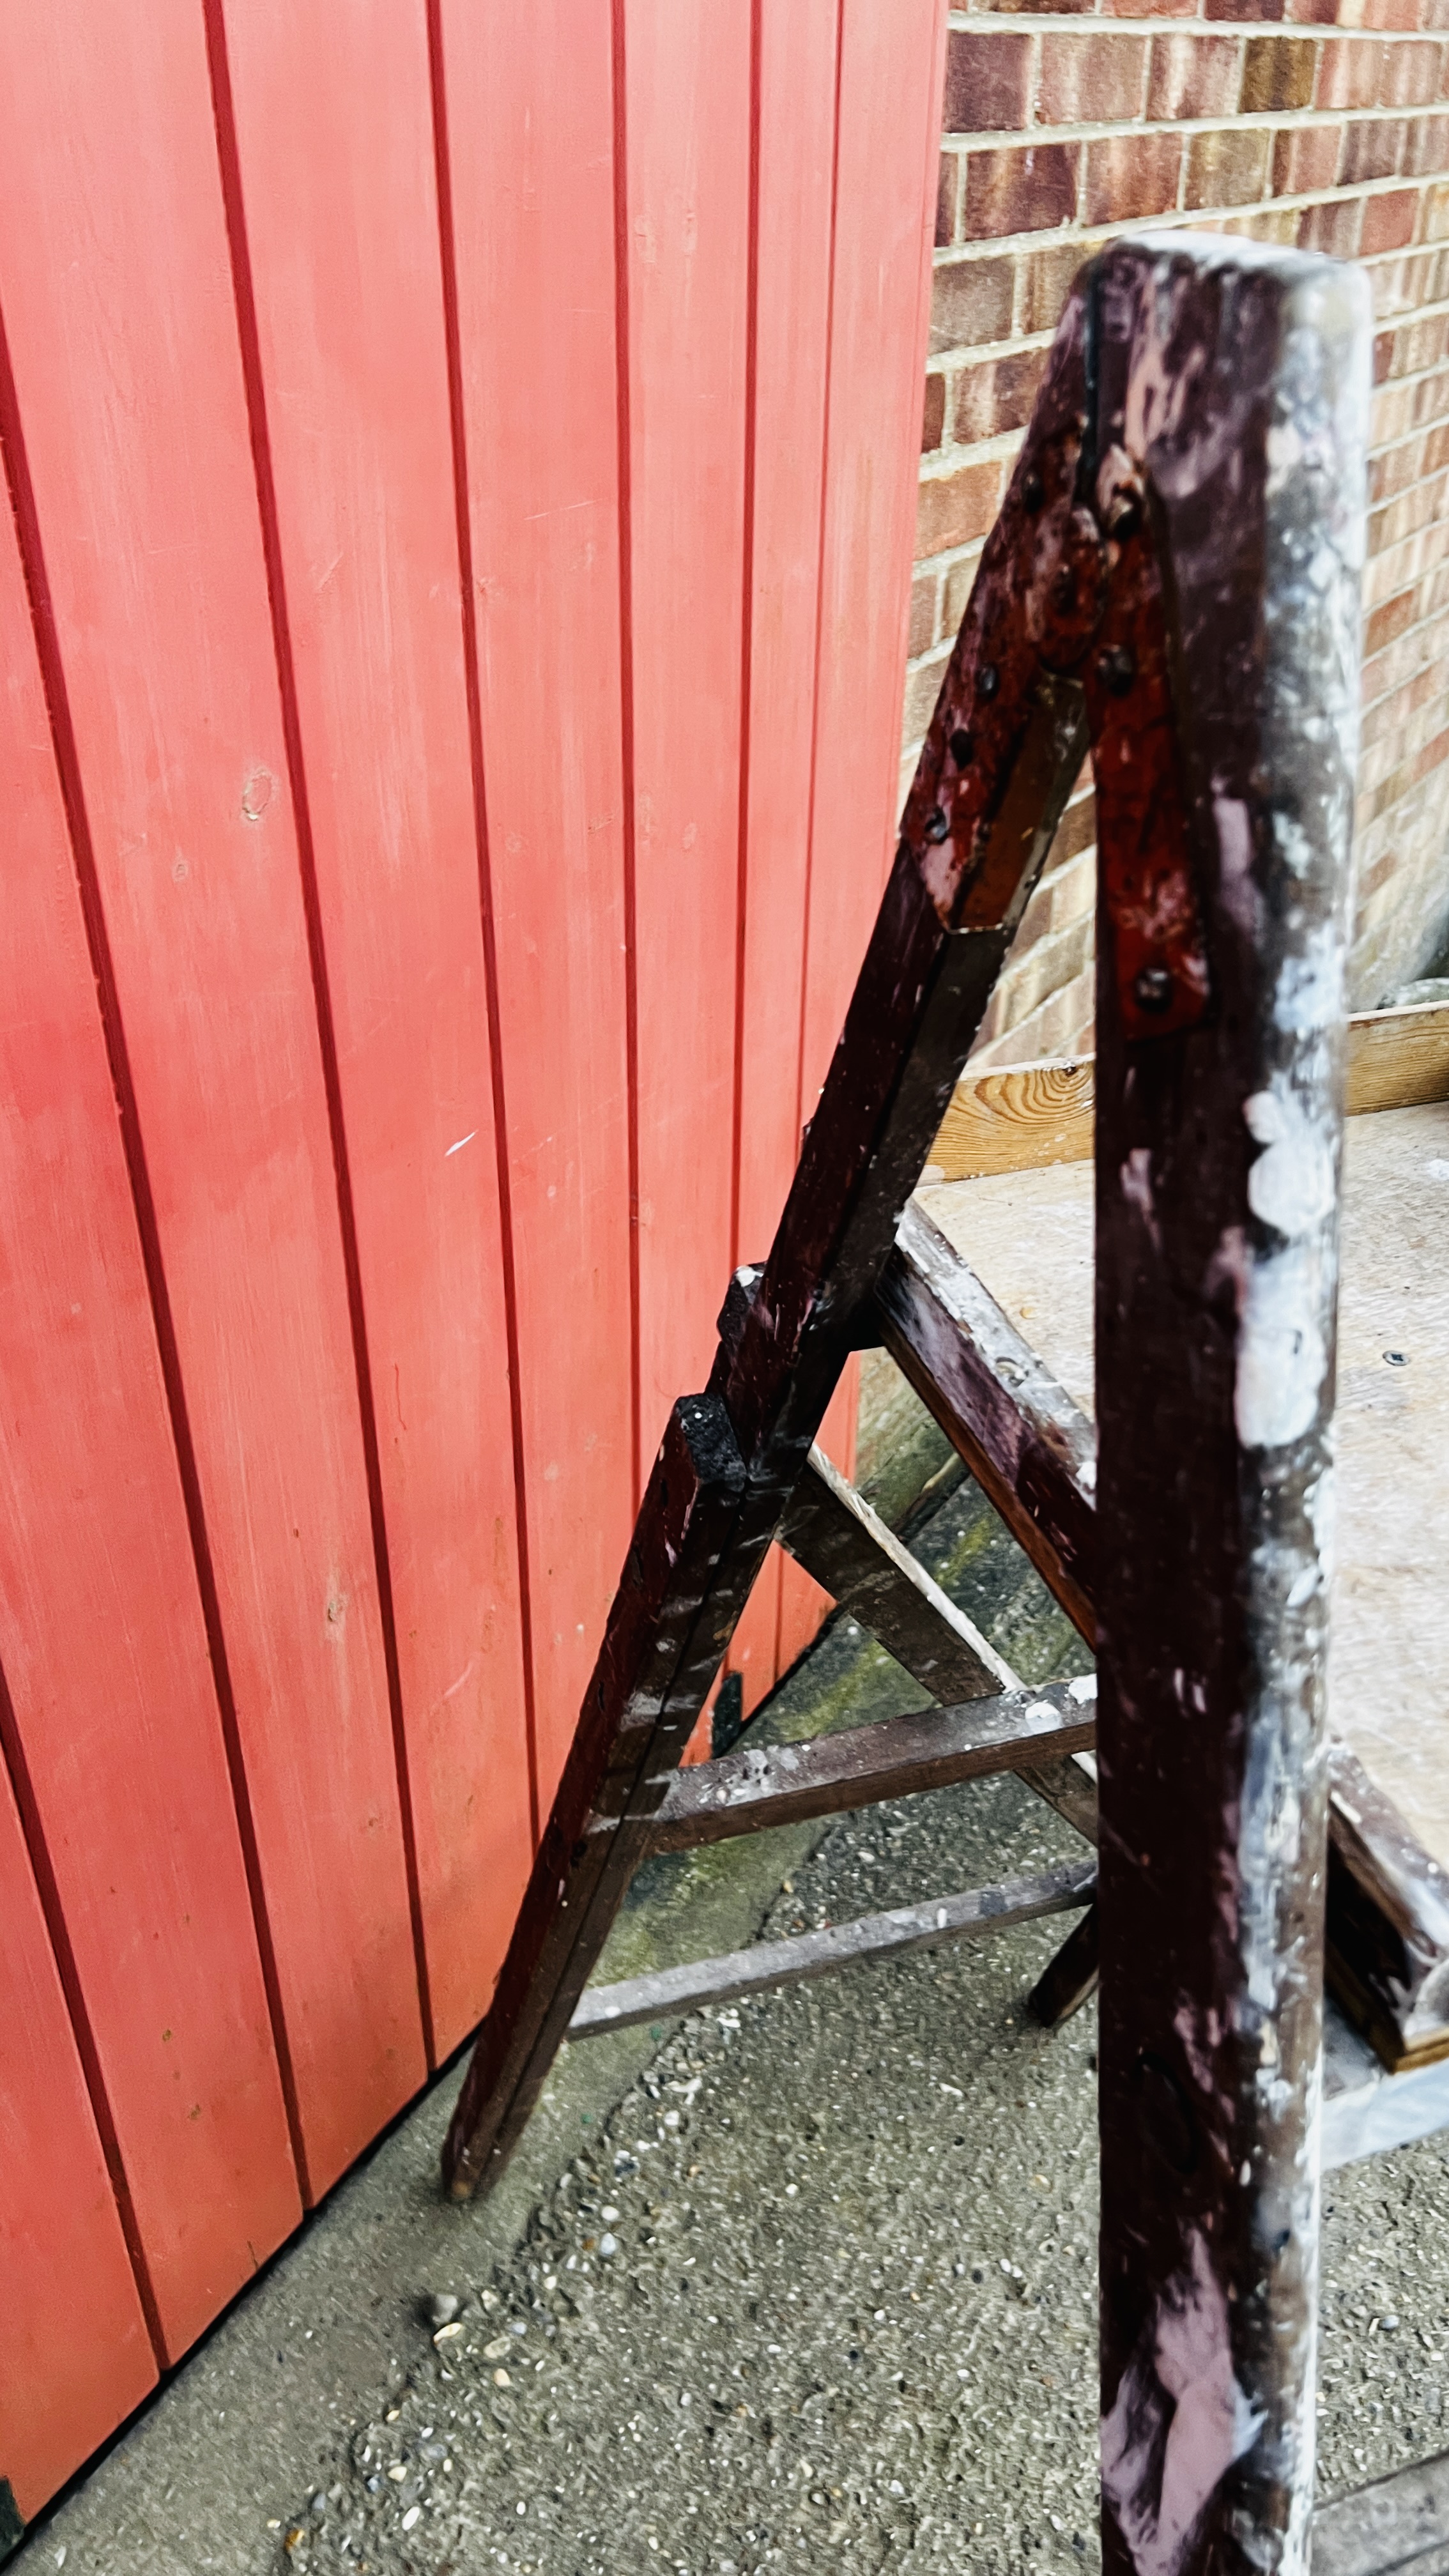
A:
[(1172, 582)]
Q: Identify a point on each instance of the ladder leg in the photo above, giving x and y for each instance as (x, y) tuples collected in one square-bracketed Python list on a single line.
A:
[(1217, 1158), (654, 1670)]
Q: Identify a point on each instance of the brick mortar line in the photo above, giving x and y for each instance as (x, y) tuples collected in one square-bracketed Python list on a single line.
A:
[(1249, 120), (1235, 30), (970, 353), (967, 254)]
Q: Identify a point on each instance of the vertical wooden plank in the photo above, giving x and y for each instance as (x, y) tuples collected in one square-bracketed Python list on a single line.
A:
[(334, 138), (790, 336), (792, 224), (890, 119), (686, 101), (887, 144), (115, 282), (110, 1708), (527, 104), (64, 2385)]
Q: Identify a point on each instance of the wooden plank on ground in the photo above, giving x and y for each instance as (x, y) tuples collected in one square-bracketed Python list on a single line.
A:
[(334, 139), (670, 1991), (109, 1706), (134, 410), (894, 1757), (526, 97), (1020, 1117)]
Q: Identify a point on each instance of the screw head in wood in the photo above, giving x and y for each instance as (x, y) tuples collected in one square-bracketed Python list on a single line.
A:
[(1152, 989)]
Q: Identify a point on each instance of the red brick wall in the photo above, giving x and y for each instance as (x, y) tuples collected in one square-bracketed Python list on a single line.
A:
[(1323, 123)]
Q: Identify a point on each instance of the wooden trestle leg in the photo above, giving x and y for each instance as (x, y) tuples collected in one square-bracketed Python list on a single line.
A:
[(1175, 560), (1224, 766)]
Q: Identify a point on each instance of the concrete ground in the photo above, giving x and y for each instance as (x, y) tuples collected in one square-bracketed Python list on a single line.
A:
[(805, 2280)]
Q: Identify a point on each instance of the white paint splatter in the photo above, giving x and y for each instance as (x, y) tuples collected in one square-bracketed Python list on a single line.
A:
[(1309, 993), (462, 1141), (1178, 2422), (1291, 1185), (1136, 1178), (1282, 1354)]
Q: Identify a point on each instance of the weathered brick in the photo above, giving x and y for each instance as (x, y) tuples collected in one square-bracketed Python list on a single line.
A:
[(1388, 221), (1045, 278), (1193, 76), (1277, 74), (948, 199), (1076, 831), (1060, 1027), (1031, 190), (1160, 8), (1434, 212), (1375, 161), (1033, 8), (1373, 147), (1090, 79), (1332, 228), (956, 506), (988, 80), (925, 609), (1265, 224), (923, 688), (1427, 149), (1412, 75), (996, 395), (1350, 69), (1305, 157), (1074, 889), (1227, 168), (970, 302), (1395, 468), (957, 590), (933, 413), (1127, 176)]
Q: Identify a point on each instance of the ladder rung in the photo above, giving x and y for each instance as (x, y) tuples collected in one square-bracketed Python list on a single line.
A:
[(893, 1757), (668, 1992)]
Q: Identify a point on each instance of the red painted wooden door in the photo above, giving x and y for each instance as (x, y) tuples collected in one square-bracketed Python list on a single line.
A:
[(461, 469)]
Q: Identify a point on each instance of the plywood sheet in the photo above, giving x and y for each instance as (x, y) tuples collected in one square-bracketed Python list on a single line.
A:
[(1028, 1235)]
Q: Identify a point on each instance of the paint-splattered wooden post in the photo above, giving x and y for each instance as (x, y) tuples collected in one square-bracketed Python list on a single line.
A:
[(1231, 397)]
